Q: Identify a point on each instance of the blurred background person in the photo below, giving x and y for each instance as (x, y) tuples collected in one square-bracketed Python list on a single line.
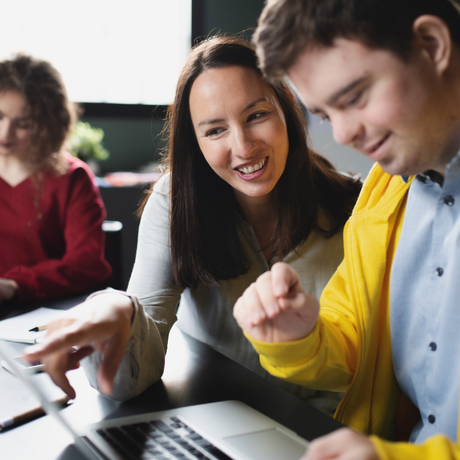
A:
[(51, 213)]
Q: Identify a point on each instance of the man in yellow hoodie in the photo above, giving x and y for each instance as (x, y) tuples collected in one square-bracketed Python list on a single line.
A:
[(386, 73)]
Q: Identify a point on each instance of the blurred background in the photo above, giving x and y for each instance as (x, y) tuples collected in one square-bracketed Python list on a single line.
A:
[(120, 60)]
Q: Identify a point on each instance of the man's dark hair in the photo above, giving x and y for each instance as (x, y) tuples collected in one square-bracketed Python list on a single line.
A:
[(287, 27)]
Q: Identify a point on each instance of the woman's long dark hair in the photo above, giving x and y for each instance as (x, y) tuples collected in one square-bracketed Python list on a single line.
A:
[(311, 194)]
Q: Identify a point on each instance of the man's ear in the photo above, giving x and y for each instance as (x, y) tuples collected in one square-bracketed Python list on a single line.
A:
[(433, 36)]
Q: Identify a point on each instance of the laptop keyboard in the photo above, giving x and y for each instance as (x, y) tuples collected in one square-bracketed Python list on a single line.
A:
[(160, 439)]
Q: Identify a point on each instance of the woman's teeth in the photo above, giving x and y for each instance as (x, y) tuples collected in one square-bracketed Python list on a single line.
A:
[(251, 169)]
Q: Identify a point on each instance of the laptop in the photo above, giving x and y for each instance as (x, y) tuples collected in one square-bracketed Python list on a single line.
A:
[(215, 431)]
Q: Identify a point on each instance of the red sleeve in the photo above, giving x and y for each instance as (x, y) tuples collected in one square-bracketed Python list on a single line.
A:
[(82, 266)]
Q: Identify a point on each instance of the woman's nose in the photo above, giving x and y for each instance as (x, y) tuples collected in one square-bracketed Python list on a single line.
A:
[(5, 129), (244, 142)]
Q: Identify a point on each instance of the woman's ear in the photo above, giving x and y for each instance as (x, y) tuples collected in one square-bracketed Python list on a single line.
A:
[(433, 36)]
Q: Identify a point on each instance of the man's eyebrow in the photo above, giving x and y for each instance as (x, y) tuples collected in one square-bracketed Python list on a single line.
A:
[(332, 100), (220, 120)]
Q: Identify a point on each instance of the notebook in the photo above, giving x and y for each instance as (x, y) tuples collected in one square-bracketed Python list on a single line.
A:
[(17, 329), (215, 431)]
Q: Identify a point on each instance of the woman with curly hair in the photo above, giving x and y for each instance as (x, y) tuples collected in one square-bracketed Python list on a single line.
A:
[(51, 238)]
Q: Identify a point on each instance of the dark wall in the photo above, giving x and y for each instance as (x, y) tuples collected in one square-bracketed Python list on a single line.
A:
[(135, 141), (131, 142), (229, 16)]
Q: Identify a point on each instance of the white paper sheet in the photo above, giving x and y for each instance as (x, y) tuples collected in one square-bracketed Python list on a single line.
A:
[(17, 329)]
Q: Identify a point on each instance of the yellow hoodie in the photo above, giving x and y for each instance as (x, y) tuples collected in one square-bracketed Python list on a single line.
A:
[(350, 348)]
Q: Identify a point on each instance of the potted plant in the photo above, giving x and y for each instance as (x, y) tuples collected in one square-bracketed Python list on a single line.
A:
[(86, 143)]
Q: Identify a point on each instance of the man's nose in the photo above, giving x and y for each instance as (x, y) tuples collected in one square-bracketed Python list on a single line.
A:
[(346, 129)]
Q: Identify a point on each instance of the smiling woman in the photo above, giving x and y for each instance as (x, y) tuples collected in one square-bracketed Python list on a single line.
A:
[(241, 132), (243, 136), (241, 191)]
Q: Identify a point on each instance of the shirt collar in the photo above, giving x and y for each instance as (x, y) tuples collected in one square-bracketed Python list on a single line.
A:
[(431, 176)]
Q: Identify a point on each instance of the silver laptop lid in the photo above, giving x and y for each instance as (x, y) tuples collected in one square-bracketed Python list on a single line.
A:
[(48, 405)]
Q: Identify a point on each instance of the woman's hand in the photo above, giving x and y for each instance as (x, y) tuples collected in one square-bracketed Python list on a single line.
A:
[(102, 323), (275, 308), (343, 444), (8, 289)]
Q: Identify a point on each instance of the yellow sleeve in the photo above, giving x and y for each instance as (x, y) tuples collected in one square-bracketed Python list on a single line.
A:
[(326, 358), (437, 448)]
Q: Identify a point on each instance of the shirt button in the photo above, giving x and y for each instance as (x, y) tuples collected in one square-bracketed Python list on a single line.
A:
[(433, 346), (431, 418), (439, 271), (449, 200)]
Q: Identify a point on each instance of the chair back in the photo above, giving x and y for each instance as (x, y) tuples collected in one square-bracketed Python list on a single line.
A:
[(113, 252)]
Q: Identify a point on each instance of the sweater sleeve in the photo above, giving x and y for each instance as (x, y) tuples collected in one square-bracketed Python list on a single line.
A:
[(326, 358), (82, 266), (436, 448), (156, 298)]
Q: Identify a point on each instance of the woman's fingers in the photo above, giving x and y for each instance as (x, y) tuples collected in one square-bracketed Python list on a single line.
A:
[(76, 356), (56, 367), (64, 348), (61, 363), (8, 289), (102, 323), (60, 340), (85, 324)]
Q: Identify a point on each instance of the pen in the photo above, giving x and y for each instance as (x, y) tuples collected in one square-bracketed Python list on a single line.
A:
[(29, 415), (38, 328)]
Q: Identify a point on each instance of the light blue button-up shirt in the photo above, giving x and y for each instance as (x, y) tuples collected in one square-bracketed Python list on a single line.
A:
[(425, 303)]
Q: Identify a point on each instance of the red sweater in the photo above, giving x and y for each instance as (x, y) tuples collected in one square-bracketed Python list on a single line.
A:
[(57, 248)]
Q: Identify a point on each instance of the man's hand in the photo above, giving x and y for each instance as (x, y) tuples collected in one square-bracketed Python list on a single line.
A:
[(8, 289), (275, 308), (102, 323), (343, 444)]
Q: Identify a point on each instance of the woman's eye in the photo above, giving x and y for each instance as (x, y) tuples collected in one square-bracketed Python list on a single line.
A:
[(23, 124), (257, 115), (213, 132), (324, 118)]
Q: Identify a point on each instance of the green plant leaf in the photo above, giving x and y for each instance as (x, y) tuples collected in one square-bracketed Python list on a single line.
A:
[(86, 142)]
